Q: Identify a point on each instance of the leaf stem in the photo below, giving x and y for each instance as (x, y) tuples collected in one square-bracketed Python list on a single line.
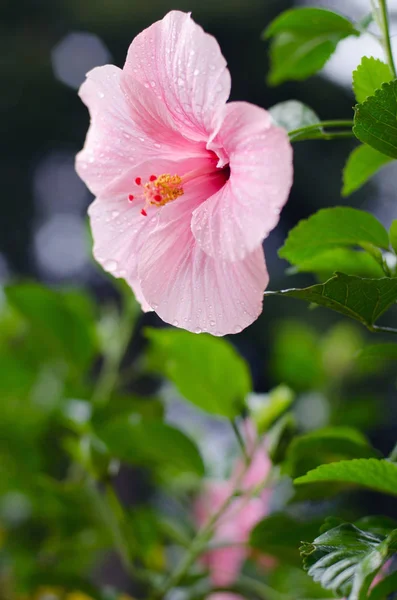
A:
[(200, 542), (239, 439), (109, 374), (315, 131), (383, 22), (378, 329)]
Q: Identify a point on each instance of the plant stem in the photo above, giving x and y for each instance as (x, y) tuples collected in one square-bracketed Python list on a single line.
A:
[(109, 374), (105, 507), (314, 131), (383, 22), (201, 540), (239, 439), (378, 329)]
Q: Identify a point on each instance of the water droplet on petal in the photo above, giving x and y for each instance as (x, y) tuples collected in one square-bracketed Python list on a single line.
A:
[(157, 145), (115, 214), (176, 323), (212, 323), (101, 94), (197, 330)]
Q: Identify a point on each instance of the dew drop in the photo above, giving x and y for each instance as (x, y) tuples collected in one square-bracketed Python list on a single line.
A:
[(196, 72), (157, 145), (146, 85), (153, 83), (176, 323), (101, 94), (115, 213), (212, 323), (180, 82), (197, 330)]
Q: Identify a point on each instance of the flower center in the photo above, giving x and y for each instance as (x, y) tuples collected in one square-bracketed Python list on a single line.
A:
[(158, 191)]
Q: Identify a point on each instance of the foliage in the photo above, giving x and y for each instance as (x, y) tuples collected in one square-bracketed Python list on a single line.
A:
[(165, 453)]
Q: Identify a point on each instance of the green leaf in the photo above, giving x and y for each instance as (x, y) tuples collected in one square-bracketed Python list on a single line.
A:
[(206, 370), (345, 260), (393, 235), (385, 587), (305, 38), (364, 300), (292, 115), (296, 357), (346, 560), (369, 76), (60, 322), (361, 165), (378, 475), (285, 578), (326, 445), (265, 409), (280, 535), (280, 437), (153, 443), (374, 356), (375, 120), (332, 228)]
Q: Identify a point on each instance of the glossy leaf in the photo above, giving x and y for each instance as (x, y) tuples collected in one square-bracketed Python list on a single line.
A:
[(332, 228), (364, 300), (345, 260), (346, 559), (369, 76), (280, 535), (378, 475), (304, 39), (326, 445), (206, 370), (292, 115), (362, 164), (59, 322), (375, 121), (153, 443)]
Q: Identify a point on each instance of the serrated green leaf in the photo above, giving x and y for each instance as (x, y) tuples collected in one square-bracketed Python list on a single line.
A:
[(346, 559), (379, 475), (326, 445), (206, 370), (364, 300), (280, 535), (152, 443), (393, 235), (292, 115), (332, 228), (375, 120), (362, 164), (304, 39), (369, 76), (345, 260)]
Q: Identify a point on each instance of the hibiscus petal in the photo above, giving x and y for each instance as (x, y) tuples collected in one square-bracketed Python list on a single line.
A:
[(188, 288), (118, 227), (184, 67), (233, 222), (118, 138)]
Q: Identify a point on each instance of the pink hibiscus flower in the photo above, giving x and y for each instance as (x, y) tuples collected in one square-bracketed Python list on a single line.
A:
[(187, 186), (243, 513)]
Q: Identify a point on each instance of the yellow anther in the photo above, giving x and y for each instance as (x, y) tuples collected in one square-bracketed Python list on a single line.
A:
[(164, 189)]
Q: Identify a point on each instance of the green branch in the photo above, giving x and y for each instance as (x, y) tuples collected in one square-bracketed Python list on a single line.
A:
[(316, 132), (382, 18)]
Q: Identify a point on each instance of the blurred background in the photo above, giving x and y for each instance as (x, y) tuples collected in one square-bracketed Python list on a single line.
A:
[(46, 49)]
